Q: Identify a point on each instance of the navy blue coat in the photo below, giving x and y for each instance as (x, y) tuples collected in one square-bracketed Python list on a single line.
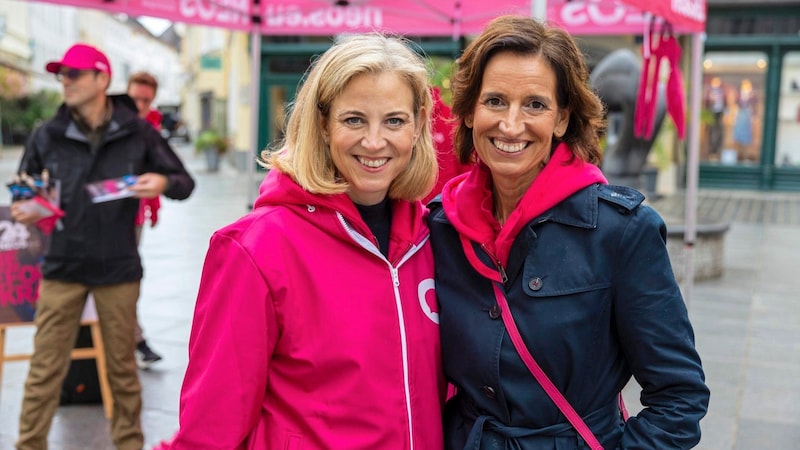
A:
[(593, 294)]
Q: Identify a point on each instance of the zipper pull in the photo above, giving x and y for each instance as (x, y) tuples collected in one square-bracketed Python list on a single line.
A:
[(500, 268), (395, 277)]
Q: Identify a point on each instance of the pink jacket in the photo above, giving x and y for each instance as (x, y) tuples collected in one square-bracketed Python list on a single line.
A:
[(306, 337)]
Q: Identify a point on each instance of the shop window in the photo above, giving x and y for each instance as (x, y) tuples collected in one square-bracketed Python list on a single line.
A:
[(787, 150), (733, 107)]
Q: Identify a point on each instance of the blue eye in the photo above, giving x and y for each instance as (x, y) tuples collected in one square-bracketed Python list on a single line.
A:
[(353, 120)]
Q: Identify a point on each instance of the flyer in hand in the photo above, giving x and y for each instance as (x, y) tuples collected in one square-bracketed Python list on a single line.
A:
[(42, 195), (111, 189)]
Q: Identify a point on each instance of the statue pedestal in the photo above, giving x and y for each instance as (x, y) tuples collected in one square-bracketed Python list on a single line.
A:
[(708, 250)]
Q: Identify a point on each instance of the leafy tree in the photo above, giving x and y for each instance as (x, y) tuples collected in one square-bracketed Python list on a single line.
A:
[(20, 115)]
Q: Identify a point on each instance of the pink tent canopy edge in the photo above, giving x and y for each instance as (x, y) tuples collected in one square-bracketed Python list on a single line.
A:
[(306, 17), (611, 17), (686, 14), (418, 17)]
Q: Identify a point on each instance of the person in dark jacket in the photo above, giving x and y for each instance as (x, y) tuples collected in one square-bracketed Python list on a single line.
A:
[(93, 137), (583, 265)]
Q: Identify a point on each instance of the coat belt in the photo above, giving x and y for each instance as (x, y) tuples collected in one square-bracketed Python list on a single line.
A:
[(602, 419)]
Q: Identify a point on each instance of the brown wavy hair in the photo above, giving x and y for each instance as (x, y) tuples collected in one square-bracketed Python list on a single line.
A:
[(527, 36)]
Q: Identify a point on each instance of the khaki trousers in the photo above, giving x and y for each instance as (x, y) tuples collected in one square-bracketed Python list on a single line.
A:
[(58, 314)]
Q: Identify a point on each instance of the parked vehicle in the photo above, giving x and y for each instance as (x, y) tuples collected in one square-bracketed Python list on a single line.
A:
[(173, 127)]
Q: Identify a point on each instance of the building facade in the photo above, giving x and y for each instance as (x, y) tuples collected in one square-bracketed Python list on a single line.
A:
[(750, 134), (33, 33)]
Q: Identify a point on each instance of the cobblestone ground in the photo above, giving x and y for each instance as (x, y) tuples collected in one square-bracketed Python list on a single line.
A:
[(724, 206)]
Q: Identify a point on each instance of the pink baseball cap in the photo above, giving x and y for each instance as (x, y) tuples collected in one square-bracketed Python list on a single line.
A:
[(82, 57)]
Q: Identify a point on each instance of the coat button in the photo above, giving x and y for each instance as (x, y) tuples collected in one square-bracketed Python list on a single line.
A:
[(494, 312), (488, 391), (535, 284)]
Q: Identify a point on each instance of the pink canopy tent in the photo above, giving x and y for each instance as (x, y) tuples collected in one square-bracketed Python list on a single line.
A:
[(411, 17), (438, 18), (320, 17)]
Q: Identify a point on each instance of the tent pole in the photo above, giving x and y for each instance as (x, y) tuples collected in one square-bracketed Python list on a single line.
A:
[(692, 164), (539, 9), (255, 85)]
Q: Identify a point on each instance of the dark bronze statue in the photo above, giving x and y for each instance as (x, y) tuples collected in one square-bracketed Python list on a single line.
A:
[(616, 80)]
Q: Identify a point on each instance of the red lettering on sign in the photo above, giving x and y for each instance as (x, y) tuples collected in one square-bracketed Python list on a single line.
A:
[(19, 283)]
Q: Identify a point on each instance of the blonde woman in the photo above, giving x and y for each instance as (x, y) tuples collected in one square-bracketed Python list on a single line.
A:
[(316, 325)]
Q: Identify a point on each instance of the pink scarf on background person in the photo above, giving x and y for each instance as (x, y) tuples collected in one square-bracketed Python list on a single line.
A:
[(647, 98), (148, 207)]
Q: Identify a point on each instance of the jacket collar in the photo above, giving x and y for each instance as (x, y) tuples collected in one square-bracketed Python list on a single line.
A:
[(468, 203), (408, 218), (578, 210)]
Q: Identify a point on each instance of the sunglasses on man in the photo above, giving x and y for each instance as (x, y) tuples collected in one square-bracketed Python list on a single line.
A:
[(72, 74)]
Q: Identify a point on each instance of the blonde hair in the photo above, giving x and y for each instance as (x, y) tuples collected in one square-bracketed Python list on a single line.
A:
[(303, 153)]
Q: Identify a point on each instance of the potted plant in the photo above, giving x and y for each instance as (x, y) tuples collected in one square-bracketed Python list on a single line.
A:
[(214, 144)]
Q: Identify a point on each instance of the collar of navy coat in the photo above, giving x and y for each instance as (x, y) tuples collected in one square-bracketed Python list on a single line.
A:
[(579, 210), (547, 270)]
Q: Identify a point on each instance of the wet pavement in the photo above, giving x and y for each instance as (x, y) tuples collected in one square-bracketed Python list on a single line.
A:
[(747, 322)]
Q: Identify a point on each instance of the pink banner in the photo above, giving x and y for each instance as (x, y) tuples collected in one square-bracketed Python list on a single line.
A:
[(232, 14), (315, 17), (21, 252), (689, 15), (601, 17), (422, 18), (410, 17)]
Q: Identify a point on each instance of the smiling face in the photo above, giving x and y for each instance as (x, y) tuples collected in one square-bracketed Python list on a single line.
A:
[(515, 117), (371, 130)]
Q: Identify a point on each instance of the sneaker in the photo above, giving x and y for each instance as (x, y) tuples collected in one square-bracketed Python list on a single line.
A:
[(145, 357)]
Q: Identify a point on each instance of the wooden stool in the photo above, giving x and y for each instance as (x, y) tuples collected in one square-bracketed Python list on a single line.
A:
[(95, 352)]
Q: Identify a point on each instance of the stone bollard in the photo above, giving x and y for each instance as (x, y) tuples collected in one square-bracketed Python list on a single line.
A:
[(709, 245)]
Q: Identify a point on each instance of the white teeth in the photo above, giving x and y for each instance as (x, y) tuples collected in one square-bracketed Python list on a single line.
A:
[(509, 148), (374, 163)]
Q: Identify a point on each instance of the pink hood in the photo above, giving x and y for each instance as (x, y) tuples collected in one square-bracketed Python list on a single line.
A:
[(279, 189), (468, 204)]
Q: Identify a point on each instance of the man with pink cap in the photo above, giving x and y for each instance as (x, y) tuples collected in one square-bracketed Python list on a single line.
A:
[(92, 138)]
